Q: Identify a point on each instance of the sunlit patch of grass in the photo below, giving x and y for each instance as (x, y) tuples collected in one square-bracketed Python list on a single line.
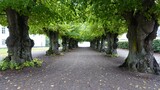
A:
[(39, 49), (6, 64), (3, 51)]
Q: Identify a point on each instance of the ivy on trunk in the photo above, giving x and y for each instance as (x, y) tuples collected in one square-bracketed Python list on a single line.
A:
[(18, 43)]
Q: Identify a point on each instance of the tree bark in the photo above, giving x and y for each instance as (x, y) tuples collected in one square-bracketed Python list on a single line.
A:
[(53, 42), (98, 44), (112, 43), (141, 32), (64, 43), (18, 43), (50, 36), (75, 43), (56, 43), (71, 42), (94, 44), (102, 43)]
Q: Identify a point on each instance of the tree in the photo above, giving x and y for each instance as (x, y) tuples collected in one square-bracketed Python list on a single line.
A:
[(53, 41), (19, 13), (19, 44), (142, 27), (51, 21), (142, 21), (113, 27)]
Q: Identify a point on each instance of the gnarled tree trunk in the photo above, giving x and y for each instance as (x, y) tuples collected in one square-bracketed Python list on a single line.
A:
[(18, 43), (112, 43), (53, 40), (141, 32)]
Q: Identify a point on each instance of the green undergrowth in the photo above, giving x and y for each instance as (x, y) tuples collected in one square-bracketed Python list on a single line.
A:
[(123, 45), (112, 55), (155, 45), (4, 64)]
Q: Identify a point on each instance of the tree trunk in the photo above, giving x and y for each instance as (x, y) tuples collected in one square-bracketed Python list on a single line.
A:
[(112, 43), (98, 44), (141, 33), (94, 44), (70, 43), (50, 36), (75, 43), (54, 45), (18, 43), (64, 43), (102, 43), (91, 44)]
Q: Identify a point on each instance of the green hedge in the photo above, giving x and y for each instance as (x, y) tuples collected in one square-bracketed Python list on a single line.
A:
[(123, 45), (156, 45)]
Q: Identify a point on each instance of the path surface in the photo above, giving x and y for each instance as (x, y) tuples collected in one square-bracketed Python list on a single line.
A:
[(80, 69)]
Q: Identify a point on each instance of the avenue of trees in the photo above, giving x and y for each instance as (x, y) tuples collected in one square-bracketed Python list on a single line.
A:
[(74, 21)]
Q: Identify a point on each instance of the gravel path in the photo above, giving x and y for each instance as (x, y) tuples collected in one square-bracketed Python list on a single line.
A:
[(80, 69)]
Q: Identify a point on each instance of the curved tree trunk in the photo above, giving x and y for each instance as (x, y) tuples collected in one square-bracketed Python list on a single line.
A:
[(112, 43), (18, 43), (141, 33)]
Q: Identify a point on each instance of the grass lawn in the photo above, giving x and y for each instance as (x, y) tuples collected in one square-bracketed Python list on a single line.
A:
[(3, 51)]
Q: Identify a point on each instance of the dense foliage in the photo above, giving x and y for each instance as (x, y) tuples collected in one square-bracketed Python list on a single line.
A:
[(123, 45)]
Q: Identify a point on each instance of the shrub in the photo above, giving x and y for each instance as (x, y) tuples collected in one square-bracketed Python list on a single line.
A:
[(123, 45), (5, 64), (156, 45)]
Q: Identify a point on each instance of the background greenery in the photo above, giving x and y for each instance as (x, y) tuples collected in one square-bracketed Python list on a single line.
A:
[(3, 51), (156, 45)]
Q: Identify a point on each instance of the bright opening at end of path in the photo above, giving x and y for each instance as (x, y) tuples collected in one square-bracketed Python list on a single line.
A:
[(84, 44)]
